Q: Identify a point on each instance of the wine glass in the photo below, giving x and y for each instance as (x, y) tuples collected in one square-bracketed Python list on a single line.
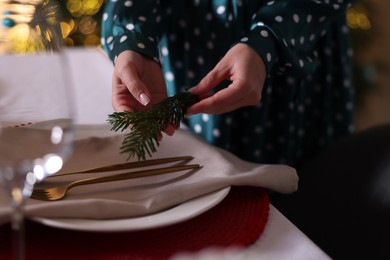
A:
[(36, 115)]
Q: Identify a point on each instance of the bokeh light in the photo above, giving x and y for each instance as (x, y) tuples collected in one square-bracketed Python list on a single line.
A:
[(23, 40), (83, 26), (357, 17), (79, 8), (92, 40), (88, 25)]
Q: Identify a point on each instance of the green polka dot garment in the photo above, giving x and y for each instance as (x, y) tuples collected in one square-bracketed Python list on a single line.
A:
[(307, 100)]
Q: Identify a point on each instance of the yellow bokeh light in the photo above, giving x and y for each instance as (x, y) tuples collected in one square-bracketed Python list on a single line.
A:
[(21, 39), (88, 25), (74, 6), (79, 8), (91, 40), (72, 25), (69, 41), (357, 18), (91, 7), (65, 29)]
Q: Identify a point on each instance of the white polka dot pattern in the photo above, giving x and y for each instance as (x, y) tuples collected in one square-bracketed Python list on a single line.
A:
[(304, 105)]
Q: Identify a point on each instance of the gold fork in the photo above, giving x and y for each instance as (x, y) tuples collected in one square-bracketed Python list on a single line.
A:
[(59, 192)]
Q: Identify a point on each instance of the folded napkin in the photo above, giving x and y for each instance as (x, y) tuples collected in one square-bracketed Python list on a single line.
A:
[(97, 146)]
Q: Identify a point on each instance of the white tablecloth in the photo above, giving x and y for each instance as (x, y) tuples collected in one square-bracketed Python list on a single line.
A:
[(92, 72)]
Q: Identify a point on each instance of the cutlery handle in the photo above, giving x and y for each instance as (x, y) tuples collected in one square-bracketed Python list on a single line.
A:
[(136, 174), (128, 165)]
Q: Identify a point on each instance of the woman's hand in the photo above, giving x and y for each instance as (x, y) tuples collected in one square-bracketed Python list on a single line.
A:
[(137, 82), (246, 71)]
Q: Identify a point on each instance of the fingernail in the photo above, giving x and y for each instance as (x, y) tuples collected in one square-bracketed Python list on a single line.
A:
[(144, 99)]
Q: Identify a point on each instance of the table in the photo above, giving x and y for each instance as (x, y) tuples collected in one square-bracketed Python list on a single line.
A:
[(91, 71)]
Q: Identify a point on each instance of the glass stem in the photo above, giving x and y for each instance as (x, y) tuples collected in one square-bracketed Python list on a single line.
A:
[(17, 224)]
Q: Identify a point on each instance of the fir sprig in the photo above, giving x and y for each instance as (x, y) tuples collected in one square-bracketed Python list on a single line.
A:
[(145, 127)]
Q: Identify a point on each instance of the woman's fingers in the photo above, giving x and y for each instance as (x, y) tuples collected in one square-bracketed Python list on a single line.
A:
[(218, 74), (226, 100), (128, 75)]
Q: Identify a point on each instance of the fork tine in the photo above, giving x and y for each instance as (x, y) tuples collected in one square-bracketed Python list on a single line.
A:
[(49, 195), (39, 191), (46, 196), (40, 194), (39, 197)]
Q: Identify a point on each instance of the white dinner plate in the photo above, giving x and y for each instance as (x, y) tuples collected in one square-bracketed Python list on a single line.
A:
[(173, 215)]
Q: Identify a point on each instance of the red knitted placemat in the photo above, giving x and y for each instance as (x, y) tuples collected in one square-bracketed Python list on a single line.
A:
[(238, 220)]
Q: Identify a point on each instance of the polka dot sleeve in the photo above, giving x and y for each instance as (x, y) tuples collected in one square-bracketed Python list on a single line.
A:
[(285, 32), (131, 25)]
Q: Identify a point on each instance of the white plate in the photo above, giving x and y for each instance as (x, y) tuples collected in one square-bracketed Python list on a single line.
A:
[(173, 215)]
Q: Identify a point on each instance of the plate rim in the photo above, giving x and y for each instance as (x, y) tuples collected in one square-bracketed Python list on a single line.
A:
[(186, 210)]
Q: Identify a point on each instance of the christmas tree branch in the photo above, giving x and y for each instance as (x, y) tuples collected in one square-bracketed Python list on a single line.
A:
[(145, 127)]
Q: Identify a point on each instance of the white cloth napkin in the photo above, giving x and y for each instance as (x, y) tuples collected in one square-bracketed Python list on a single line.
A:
[(97, 146)]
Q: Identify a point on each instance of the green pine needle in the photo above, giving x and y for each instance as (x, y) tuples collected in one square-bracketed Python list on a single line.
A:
[(147, 126)]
